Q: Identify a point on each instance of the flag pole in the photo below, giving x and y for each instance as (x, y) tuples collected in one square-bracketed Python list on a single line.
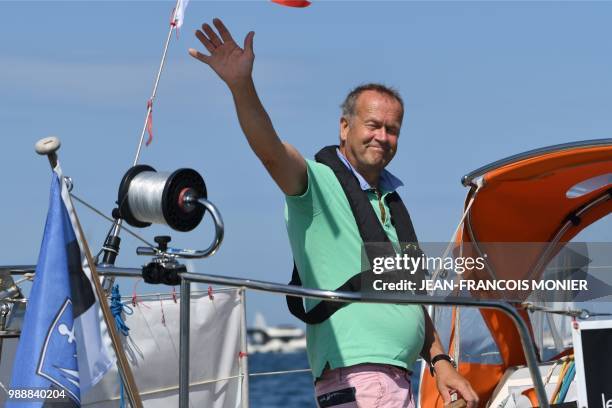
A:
[(48, 147)]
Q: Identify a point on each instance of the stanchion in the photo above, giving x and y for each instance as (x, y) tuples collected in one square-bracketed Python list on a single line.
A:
[(184, 344)]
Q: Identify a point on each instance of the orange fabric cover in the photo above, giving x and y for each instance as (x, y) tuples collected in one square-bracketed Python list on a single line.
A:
[(526, 202), (523, 202)]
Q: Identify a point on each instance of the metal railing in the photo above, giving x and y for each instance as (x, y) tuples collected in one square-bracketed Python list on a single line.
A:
[(335, 296), (509, 310)]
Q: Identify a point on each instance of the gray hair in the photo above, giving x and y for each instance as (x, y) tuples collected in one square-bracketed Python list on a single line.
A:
[(348, 106)]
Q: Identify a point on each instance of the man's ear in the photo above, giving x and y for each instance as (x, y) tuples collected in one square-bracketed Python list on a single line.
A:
[(344, 128)]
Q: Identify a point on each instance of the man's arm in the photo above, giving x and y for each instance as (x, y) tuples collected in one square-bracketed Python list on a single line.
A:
[(447, 377), (234, 65)]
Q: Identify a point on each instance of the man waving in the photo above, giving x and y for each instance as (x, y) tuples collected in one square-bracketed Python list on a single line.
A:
[(360, 354)]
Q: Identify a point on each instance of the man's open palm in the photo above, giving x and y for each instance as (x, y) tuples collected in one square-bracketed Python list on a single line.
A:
[(232, 63)]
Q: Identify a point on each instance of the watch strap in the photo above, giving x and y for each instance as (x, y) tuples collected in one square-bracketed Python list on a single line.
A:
[(440, 357)]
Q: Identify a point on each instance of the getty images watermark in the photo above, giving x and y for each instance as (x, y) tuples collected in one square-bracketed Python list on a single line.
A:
[(499, 271), (410, 264)]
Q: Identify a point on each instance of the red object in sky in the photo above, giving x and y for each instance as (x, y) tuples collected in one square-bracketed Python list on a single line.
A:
[(292, 3)]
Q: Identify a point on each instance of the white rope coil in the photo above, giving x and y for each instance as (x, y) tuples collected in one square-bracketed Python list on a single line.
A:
[(145, 196)]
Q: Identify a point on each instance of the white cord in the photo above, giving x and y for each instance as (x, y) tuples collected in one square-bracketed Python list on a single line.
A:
[(452, 239)]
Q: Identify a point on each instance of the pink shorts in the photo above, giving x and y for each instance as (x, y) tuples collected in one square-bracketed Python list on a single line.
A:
[(364, 386)]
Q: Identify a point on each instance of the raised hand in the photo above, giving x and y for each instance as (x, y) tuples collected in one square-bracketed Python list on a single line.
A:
[(233, 64)]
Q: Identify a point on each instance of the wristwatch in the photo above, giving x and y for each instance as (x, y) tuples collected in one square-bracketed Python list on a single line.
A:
[(437, 358)]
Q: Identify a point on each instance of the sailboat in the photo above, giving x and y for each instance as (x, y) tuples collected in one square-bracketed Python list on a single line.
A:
[(545, 196)]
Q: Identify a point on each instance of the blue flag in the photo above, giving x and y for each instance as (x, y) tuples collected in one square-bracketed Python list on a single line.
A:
[(53, 345)]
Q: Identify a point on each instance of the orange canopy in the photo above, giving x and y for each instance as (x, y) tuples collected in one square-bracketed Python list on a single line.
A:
[(526, 199), (542, 196)]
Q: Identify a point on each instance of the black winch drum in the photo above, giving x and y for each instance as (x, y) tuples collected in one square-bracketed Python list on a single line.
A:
[(149, 197)]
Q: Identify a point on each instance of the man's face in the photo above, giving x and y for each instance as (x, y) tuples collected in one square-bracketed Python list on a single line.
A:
[(369, 138)]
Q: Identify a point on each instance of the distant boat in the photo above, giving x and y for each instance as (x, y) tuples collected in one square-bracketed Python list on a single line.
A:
[(274, 339)]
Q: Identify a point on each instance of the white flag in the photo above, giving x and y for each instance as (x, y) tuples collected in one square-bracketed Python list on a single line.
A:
[(179, 14)]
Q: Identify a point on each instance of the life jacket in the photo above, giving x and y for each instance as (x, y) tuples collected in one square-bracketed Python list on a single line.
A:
[(371, 232)]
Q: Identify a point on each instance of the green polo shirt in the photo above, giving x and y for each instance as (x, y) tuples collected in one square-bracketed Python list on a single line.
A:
[(326, 248)]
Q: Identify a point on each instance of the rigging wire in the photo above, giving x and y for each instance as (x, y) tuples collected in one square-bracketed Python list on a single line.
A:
[(100, 213), (148, 117), (154, 93), (451, 241), (232, 377)]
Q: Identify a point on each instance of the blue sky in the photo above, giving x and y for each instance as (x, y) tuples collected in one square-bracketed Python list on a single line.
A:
[(481, 81)]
